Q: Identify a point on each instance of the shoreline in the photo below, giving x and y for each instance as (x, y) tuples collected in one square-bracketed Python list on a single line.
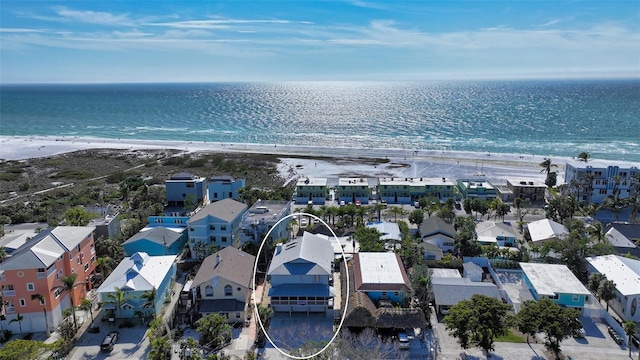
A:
[(402, 162)]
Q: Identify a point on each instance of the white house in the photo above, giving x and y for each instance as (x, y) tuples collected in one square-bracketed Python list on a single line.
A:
[(625, 273), (545, 230)]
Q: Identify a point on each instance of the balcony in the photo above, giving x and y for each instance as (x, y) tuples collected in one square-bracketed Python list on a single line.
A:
[(6, 293)]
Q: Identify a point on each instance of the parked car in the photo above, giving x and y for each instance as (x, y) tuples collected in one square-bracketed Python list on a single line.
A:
[(109, 341), (403, 341), (616, 337), (580, 333), (635, 340)]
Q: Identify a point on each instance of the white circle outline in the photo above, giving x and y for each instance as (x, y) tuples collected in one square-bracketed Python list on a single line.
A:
[(255, 270)]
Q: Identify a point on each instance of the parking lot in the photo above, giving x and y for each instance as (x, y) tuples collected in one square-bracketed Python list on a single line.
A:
[(132, 344)]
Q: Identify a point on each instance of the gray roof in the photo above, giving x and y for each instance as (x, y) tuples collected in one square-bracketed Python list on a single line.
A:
[(226, 210), (435, 225), (45, 248), (630, 231), (494, 229), (159, 235), (450, 291), (234, 265), (469, 266), (308, 255)]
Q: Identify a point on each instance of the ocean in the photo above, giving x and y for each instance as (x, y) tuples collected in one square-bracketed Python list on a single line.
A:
[(545, 118)]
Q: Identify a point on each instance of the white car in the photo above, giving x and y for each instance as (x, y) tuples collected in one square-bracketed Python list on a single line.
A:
[(304, 222)]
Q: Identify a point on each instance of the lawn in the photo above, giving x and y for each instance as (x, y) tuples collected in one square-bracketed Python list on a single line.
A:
[(511, 337)]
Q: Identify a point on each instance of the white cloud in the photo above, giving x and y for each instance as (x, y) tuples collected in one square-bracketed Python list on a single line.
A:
[(93, 17)]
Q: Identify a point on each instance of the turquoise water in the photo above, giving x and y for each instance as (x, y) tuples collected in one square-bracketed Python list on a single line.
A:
[(549, 118)]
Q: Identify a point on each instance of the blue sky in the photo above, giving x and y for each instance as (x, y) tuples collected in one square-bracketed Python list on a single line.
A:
[(189, 41)]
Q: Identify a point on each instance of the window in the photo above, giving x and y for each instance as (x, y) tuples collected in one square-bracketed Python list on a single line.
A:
[(58, 292), (212, 227), (86, 267), (70, 256), (82, 256), (190, 185), (396, 293), (603, 191), (78, 247), (575, 298), (228, 290), (384, 293), (212, 239), (208, 290), (237, 315), (215, 195), (93, 259), (9, 307), (79, 261), (230, 194), (223, 227), (191, 229), (224, 239), (23, 303), (30, 287)]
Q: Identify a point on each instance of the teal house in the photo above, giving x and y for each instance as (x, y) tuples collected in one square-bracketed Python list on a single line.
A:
[(144, 282), (381, 275), (157, 241), (555, 282)]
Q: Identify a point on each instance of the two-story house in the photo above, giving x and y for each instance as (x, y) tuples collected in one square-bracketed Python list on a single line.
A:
[(261, 218), (625, 273), (477, 189), (37, 268), (311, 190), (299, 274), (185, 189), (527, 189), (145, 282), (224, 187), (354, 190), (157, 241), (436, 231), (397, 190), (223, 284), (217, 225)]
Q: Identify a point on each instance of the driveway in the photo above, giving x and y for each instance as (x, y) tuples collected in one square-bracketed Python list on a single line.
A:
[(132, 344)]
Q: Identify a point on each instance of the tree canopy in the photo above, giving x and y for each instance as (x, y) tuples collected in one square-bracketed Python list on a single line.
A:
[(369, 239), (23, 350), (214, 331), (478, 321)]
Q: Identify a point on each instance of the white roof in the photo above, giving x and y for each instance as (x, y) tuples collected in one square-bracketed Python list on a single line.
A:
[(423, 181), (353, 182), (311, 182), (623, 271), (380, 268), (553, 279), (616, 239), (71, 236), (389, 230), (443, 273), (546, 229), (528, 182), (139, 272)]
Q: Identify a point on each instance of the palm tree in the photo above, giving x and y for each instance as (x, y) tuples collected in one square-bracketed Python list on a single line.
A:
[(160, 349), (85, 305), (150, 297), (68, 284), (3, 253), (41, 298), (19, 320), (614, 204), (546, 166), (118, 297), (584, 156), (629, 329)]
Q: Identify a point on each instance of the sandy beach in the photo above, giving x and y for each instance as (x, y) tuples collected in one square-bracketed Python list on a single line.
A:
[(319, 161)]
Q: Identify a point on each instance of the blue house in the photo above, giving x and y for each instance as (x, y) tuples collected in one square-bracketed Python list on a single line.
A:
[(382, 277), (216, 225), (224, 187), (555, 282), (157, 241), (138, 276), (182, 188), (299, 273)]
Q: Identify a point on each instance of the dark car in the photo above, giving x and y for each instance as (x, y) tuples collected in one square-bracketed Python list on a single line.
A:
[(109, 341)]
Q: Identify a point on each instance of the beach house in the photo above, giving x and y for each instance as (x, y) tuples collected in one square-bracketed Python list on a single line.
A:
[(436, 231), (449, 287), (261, 218), (223, 284), (308, 190), (217, 225), (353, 190), (496, 233), (477, 189), (299, 275), (531, 190), (138, 286), (185, 190), (37, 268), (546, 230), (224, 187), (381, 275), (157, 241), (625, 273), (555, 282), (595, 180), (400, 190), (622, 244)]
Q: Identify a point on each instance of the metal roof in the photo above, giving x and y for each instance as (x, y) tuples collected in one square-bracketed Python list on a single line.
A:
[(623, 271), (225, 210), (311, 249)]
